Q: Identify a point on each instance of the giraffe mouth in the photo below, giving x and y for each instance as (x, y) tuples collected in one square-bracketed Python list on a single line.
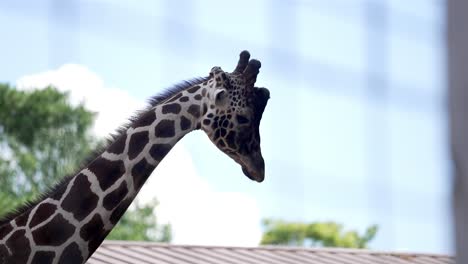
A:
[(253, 177), (254, 168)]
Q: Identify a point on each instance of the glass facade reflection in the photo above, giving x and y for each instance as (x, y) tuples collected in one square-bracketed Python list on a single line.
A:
[(355, 131)]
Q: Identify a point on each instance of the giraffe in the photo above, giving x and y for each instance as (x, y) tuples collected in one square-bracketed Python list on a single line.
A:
[(69, 222)]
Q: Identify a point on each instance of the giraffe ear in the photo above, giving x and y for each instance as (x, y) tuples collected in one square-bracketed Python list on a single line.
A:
[(260, 101), (221, 98)]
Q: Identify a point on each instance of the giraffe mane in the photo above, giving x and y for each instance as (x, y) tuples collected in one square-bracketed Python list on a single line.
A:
[(62, 183)]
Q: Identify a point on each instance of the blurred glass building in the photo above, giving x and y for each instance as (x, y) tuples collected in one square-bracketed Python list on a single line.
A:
[(355, 131)]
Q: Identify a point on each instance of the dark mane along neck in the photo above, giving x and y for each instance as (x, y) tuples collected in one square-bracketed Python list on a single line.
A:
[(177, 88), (62, 184), (59, 187)]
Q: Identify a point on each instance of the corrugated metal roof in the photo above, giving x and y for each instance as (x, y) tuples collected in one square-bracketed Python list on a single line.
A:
[(123, 252)]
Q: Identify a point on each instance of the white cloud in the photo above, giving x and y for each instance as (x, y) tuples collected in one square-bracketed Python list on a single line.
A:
[(113, 106), (197, 213)]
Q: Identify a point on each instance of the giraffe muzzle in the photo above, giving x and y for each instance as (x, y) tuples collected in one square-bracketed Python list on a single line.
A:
[(254, 167)]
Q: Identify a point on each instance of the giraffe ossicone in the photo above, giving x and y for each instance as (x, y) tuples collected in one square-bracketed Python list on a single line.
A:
[(68, 223)]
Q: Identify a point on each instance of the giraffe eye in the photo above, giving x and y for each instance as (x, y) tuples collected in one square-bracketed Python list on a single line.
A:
[(242, 119)]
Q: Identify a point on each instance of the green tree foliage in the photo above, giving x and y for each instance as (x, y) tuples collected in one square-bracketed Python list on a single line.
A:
[(42, 139), (139, 223), (326, 234)]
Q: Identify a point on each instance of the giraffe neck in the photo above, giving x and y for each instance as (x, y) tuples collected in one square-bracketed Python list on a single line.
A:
[(71, 223)]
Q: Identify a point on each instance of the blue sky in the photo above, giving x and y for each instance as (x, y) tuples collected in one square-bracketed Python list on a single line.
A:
[(334, 150)]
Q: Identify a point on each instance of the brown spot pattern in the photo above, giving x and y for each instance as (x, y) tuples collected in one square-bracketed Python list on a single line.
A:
[(145, 119), (175, 97), (140, 172), (165, 128), (106, 171), (19, 247), (22, 219), (185, 123), (3, 254), (43, 257), (5, 230), (80, 200), (95, 242), (92, 228), (206, 122), (43, 212), (120, 210), (193, 89), (159, 151), (57, 195), (137, 142), (71, 255), (54, 233), (173, 108), (194, 110), (205, 109), (115, 197), (118, 146), (230, 140)]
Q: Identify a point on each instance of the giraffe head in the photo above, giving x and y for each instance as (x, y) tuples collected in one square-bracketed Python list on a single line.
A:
[(233, 117)]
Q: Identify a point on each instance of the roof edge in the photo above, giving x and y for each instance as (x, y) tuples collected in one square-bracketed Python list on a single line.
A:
[(287, 248)]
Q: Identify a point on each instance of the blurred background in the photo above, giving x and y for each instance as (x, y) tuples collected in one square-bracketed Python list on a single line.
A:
[(355, 131)]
